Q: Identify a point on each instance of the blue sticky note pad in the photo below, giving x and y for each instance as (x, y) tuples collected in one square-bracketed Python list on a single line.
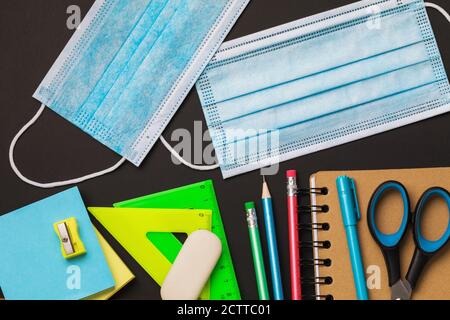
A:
[(31, 263)]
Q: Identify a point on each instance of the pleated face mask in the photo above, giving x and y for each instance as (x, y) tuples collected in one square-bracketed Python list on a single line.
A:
[(322, 81), (129, 66)]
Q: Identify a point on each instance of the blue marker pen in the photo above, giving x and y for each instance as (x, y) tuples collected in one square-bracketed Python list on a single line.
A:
[(350, 216)]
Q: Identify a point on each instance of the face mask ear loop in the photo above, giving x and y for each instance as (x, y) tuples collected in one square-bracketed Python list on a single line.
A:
[(53, 184), (187, 164), (438, 8)]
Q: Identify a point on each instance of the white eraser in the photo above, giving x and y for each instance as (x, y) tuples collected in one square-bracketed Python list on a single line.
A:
[(192, 267)]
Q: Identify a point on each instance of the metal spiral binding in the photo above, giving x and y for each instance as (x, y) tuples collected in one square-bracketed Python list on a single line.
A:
[(316, 209), (318, 297), (315, 226), (308, 191), (321, 245), (316, 262), (318, 280), (316, 244), (308, 209)]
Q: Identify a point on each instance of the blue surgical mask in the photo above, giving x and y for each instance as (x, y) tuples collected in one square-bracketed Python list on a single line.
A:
[(130, 65), (322, 81)]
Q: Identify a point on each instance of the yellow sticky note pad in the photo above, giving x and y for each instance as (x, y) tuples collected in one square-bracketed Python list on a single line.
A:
[(121, 274)]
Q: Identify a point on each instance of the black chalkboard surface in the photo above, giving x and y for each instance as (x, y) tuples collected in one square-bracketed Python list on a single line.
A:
[(32, 34)]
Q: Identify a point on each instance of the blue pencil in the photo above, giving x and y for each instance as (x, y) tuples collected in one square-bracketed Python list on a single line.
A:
[(272, 242)]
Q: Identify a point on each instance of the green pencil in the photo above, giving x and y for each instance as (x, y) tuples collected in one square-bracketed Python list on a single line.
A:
[(258, 259)]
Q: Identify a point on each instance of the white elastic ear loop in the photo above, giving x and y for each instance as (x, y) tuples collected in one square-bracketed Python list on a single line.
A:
[(187, 164), (438, 8), (52, 184)]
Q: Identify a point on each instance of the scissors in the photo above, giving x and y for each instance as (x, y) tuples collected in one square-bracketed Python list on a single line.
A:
[(390, 243)]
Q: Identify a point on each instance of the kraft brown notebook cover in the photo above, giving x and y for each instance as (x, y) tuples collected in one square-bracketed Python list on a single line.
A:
[(434, 282)]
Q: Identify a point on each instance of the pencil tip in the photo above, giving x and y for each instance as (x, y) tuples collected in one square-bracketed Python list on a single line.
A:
[(265, 189)]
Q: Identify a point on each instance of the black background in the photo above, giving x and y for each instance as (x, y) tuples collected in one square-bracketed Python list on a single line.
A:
[(32, 34)]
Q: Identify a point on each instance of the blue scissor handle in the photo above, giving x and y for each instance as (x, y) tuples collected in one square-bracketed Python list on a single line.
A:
[(389, 243), (388, 240), (425, 249), (430, 246)]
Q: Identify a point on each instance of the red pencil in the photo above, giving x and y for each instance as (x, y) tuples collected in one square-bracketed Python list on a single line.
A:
[(294, 247)]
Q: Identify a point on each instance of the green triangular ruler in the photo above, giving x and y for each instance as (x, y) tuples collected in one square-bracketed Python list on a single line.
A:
[(224, 285)]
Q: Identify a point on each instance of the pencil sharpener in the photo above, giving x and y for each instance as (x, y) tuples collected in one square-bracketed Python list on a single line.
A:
[(71, 244)]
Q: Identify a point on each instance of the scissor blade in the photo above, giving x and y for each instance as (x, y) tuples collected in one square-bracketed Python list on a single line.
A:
[(401, 290)]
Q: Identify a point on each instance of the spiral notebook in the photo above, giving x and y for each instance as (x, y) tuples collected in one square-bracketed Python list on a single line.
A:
[(336, 280)]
